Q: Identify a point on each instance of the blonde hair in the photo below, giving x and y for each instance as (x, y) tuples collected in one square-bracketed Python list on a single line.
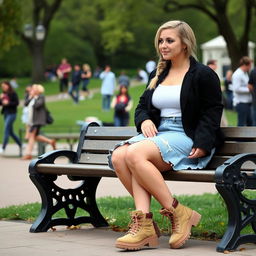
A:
[(187, 37), (39, 88), (86, 67)]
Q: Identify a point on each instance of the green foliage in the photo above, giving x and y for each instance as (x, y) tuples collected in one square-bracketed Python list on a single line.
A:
[(16, 62), (120, 33), (63, 43), (10, 18)]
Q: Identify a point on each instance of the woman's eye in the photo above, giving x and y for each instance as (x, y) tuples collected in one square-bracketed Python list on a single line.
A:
[(160, 41), (169, 41)]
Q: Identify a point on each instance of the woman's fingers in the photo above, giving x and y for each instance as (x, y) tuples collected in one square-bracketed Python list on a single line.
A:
[(148, 128), (197, 152)]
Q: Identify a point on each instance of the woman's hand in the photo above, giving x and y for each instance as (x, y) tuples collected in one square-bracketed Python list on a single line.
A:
[(197, 152), (148, 128)]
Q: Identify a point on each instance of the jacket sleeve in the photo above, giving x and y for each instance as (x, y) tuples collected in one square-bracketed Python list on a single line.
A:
[(14, 100), (211, 108), (40, 102)]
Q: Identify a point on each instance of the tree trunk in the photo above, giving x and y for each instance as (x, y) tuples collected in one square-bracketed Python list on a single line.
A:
[(37, 52)]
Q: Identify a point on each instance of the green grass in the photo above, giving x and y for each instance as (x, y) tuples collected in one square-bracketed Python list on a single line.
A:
[(116, 211)]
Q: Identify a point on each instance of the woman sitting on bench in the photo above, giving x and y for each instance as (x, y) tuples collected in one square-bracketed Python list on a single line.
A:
[(178, 118)]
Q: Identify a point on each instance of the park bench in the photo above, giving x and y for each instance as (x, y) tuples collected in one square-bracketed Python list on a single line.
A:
[(232, 169)]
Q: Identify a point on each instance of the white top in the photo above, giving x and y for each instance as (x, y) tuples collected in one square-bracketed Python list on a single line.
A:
[(150, 66), (108, 83), (144, 76), (240, 90), (167, 99)]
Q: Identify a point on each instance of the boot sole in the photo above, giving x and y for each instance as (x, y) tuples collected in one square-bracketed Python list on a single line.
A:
[(151, 241), (193, 221)]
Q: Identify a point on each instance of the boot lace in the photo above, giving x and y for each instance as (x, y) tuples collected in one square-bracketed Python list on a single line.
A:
[(167, 214), (135, 224)]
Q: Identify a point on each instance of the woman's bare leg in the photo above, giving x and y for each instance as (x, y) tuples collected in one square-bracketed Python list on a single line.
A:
[(121, 168), (142, 198), (31, 142), (42, 138), (145, 163)]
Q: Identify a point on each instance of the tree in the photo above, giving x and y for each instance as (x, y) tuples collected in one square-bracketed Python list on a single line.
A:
[(43, 13), (219, 12), (10, 18)]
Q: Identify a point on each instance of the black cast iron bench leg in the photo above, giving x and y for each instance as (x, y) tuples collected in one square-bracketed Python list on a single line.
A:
[(230, 183), (55, 199)]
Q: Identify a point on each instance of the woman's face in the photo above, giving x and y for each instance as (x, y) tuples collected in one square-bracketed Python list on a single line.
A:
[(123, 90), (170, 45), (5, 87)]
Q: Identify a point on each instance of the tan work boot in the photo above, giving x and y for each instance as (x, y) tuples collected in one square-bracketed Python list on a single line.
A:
[(182, 219), (142, 232)]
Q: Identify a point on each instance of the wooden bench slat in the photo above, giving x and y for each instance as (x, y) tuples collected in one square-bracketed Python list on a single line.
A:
[(105, 171), (121, 133), (230, 148), (100, 146), (103, 160), (90, 158), (239, 132), (233, 148), (127, 132)]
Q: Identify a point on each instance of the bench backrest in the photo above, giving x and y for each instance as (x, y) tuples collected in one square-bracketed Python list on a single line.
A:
[(96, 141)]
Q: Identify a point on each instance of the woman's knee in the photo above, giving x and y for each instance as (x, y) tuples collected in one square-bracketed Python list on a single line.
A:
[(133, 156), (118, 157)]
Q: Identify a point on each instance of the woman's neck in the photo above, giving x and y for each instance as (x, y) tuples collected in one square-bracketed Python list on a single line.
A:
[(180, 63)]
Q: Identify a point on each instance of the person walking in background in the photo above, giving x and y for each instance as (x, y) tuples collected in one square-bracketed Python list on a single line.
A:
[(178, 120), (76, 79), (122, 104), (123, 79), (252, 88), (228, 90), (86, 76), (9, 101), (212, 64), (107, 87), (63, 73), (25, 114), (37, 119), (242, 95), (142, 76), (150, 66)]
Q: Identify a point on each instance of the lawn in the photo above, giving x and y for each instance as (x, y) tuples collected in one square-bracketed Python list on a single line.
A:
[(116, 211)]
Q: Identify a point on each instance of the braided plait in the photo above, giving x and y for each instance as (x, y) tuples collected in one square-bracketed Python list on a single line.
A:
[(161, 65)]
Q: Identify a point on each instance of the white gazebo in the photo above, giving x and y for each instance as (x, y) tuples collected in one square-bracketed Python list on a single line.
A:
[(216, 49)]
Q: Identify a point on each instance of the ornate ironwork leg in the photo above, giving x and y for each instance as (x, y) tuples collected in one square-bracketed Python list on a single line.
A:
[(231, 182), (55, 198)]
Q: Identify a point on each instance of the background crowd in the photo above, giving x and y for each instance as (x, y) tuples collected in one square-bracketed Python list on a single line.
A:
[(238, 87)]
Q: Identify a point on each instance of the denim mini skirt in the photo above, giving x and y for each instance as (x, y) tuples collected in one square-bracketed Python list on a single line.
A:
[(173, 144)]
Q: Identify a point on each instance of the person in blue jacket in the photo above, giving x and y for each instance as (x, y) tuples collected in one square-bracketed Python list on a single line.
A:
[(178, 120)]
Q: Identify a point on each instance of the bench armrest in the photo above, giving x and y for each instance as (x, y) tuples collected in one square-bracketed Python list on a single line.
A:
[(230, 171), (50, 157)]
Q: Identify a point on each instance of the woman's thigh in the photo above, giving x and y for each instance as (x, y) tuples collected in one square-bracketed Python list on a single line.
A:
[(147, 150)]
